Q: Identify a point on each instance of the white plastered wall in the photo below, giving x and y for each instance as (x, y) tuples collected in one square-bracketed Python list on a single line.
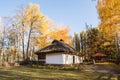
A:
[(67, 59), (54, 58), (61, 58)]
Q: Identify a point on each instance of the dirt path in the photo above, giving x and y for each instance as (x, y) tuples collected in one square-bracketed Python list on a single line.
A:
[(110, 69), (104, 68)]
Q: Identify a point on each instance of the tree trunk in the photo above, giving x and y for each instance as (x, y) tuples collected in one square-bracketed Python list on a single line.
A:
[(23, 44), (3, 44), (117, 48), (28, 43)]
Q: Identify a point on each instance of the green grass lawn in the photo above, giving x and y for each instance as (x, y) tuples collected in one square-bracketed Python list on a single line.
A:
[(29, 73)]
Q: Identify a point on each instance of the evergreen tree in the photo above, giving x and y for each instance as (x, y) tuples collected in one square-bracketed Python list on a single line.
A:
[(76, 42), (83, 42)]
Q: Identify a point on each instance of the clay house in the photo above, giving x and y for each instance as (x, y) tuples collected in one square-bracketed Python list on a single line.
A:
[(58, 53)]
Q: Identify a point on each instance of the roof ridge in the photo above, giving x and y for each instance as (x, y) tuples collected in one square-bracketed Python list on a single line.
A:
[(58, 46)]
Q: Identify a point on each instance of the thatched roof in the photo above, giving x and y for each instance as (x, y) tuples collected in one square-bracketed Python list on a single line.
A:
[(57, 46)]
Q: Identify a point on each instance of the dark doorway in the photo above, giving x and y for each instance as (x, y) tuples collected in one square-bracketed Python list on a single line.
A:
[(73, 59), (42, 58)]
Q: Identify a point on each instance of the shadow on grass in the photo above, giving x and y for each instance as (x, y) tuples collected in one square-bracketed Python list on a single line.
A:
[(101, 77), (26, 73), (11, 76), (104, 76)]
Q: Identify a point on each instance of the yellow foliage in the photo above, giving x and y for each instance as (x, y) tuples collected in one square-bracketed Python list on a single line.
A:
[(109, 11), (106, 44), (31, 18), (32, 12), (42, 41), (61, 34), (50, 31)]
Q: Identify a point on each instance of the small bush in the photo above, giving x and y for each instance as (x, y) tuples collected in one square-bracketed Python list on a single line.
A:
[(90, 61), (71, 68), (68, 67)]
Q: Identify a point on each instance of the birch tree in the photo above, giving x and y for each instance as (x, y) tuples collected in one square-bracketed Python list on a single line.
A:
[(28, 19)]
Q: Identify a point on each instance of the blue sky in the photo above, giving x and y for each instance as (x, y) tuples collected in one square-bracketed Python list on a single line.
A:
[(74, 13)]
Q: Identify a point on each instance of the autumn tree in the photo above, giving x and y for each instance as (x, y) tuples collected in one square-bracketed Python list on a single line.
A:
[(29, 28), (1, 39), (28, 19), (12, 42), (3, 42), (92, 41), (82, 43), (19, 23), (61, 34), (109, 15), (43, 37), (46, 38), (117, 43), (33, 18), (49, 31)]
